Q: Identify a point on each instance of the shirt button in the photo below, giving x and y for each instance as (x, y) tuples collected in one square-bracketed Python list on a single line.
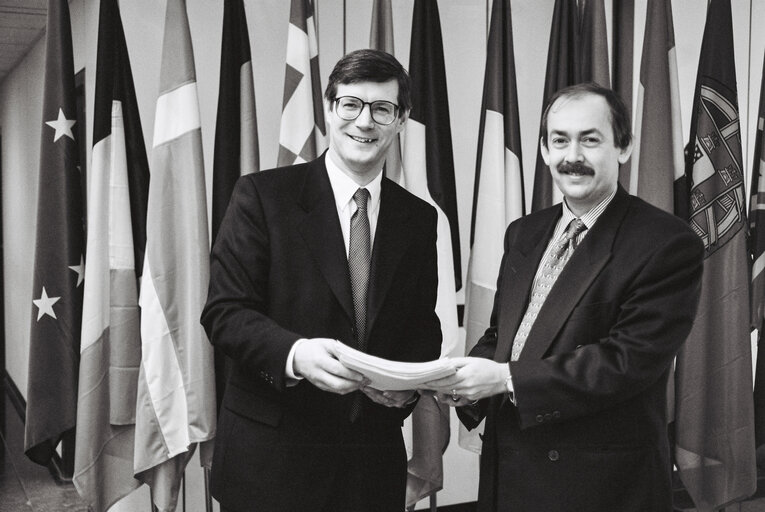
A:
[(553, 455)]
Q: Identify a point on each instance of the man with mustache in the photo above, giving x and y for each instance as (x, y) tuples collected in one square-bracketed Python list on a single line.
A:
[(594, 298)]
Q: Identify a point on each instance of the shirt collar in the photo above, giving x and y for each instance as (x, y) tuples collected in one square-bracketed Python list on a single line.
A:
[(590, 217), (343, 187)]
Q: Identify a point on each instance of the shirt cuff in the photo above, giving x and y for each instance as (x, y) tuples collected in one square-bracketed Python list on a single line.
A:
[(289, 371), (509, 388)]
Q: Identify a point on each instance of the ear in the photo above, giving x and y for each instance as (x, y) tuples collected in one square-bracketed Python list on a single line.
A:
[(624, 154), (545, 152), (401, 121)]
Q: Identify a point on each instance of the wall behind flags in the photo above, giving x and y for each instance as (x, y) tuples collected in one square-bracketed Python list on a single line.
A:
[(342, 26)]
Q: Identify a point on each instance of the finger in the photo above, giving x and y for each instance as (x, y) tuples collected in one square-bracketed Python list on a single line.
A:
[(335, 367)]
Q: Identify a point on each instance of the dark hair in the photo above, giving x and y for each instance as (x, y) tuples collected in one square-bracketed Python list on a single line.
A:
[(370, 66), (620, 117)]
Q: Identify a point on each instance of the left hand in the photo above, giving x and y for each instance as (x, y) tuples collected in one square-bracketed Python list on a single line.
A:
[(389, 398), (475, 378)]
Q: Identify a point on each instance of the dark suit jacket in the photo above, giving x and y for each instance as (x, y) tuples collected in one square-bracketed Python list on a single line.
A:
[(589, 430), (279, 272)]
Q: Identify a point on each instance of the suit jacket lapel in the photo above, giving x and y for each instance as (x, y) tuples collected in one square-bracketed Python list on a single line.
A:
[(518, 276), (390, 243), (320, 228), (584, 266)]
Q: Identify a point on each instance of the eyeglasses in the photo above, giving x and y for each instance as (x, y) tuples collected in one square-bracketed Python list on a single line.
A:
[(350, 107)]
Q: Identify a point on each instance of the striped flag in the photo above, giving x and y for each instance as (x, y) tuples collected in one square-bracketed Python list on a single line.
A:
[(498, 197), (563, 69), (110, 352), (594, 41), (302, 133), (714, 423), (657, 158), (757, 250), (54, 344), (176, 385), (236, 133), (381, 38), (428, 172), (236, 127), (623, 40)]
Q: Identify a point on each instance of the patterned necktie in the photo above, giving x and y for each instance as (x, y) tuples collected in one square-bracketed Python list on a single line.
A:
[(551, 269), (358, 263)]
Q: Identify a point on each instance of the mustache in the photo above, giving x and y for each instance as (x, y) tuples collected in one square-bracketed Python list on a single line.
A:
[(576, 168)]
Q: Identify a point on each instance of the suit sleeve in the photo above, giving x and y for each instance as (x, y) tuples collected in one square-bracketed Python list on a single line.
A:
[(652, 319), (235, 313)]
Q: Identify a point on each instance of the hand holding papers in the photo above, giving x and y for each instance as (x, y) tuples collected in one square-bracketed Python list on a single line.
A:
[(384, 374)]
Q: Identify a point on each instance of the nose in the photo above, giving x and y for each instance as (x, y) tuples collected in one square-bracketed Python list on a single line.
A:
[(365, 117), (574, 153)]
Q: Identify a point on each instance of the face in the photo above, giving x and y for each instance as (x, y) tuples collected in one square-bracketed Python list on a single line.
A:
[(358, 147), (581, 151)]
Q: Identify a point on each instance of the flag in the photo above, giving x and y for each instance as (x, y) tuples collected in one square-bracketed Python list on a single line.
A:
[(110, 351), (657, 158), (54, 339), (623, 30), (594, 41), (176, 386), (236, 133), (563, 69), (714, 423), (428, 172), (302, 133), (381, 38), (658, 152), (498, 197), (757, 251)]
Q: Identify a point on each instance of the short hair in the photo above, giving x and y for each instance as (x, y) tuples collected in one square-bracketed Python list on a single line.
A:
[(620, 117), (369, 65)]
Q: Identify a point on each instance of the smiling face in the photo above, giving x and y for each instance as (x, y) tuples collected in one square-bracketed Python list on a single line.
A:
[(358, 147), (581, 150)]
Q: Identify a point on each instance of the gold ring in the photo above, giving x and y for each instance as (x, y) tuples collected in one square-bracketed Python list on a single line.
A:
[(454, 395)]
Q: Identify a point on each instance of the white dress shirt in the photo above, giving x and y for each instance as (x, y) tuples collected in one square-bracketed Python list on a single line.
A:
[(343, 188)]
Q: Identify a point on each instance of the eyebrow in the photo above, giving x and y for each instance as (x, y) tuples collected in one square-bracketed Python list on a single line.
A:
[(590, 131)]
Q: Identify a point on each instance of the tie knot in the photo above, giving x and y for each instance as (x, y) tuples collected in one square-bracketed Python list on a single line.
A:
[(360, 197), (575, 227)]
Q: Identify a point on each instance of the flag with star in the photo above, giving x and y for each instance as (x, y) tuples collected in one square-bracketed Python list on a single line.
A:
[(175, 408), (110, 351), (428, 172), (498, 195), (54, 343), (302, 133), (714, 416), (564, 68), (757, 251)]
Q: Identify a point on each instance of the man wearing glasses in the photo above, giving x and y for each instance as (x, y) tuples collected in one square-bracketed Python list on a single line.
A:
[(309, 256)]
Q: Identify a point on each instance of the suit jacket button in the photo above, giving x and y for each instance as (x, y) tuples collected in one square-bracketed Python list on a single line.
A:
[(548, 417), (540, 418), (553, 455), (556, 415)]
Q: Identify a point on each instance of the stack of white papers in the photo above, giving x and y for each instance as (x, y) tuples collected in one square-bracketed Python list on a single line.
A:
[(387, 375)]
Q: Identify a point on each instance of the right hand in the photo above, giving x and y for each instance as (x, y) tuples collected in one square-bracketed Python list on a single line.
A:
[(316, 360)]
